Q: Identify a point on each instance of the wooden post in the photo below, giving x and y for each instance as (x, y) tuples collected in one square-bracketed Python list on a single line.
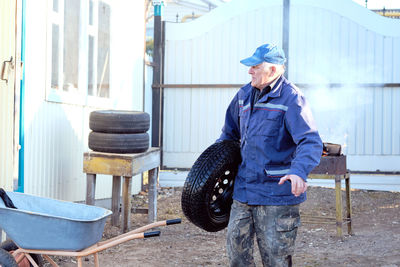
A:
[(348, 204), (339, 216), (115, 200), (153, 179), (90, 188), (126, 204)]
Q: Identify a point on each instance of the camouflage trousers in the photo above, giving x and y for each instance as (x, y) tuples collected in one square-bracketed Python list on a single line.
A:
[(275, 228)]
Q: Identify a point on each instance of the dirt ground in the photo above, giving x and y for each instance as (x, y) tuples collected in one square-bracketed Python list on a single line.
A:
[(376, 239)]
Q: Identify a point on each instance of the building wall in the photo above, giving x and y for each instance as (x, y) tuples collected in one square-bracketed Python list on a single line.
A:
[(329, 43), (7, 49), (57, 127)]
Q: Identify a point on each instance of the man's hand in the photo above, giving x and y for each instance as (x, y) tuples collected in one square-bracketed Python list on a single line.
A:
[(299, 186)]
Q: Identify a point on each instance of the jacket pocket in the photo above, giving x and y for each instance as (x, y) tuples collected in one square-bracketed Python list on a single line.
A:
[(276, 173), (270, 124)]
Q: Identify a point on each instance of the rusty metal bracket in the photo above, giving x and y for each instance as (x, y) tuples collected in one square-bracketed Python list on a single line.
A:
[(7, 66)]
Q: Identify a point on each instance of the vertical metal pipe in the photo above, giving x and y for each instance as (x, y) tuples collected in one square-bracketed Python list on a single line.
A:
[(162, 90), (157, 59), (285, 32)]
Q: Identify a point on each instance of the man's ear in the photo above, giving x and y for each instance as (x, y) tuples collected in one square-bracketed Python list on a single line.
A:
[(273, 71)]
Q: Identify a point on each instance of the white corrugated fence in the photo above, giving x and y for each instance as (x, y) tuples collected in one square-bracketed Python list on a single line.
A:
[(340, 54)]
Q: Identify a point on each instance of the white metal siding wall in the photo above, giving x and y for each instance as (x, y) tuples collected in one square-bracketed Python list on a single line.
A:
[(6, 136), (54, 150), (193, 118), (56, 133), (7, 49), (330, 42)]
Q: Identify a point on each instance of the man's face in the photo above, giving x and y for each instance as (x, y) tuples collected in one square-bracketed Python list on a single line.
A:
[(260, 75)]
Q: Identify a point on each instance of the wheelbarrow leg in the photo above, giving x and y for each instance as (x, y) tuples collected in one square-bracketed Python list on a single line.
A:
[(50, 260), (31, 260), (79, 259), (96, 260)]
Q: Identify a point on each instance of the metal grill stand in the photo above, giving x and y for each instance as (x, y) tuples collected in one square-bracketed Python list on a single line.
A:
[(334, 167)]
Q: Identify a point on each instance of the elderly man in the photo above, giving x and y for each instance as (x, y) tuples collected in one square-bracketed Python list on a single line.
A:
[(280, 145)]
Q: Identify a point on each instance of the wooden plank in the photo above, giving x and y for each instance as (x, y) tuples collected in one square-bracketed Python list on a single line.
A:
[(153, 180), (121, 164), (90, 188), (107, 165), (115, 200), (146, 162), (88, 155)]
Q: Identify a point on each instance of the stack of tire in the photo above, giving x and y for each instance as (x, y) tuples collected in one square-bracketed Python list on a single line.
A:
[(208, 189), (119, 131)]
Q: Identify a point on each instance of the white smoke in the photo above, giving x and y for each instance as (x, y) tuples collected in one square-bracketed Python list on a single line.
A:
[(336, 111)]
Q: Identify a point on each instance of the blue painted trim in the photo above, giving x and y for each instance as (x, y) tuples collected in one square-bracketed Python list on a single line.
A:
[(157, 10), (22, 107)]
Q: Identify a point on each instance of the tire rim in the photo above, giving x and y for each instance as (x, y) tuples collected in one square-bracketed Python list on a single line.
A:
[(221, 196)]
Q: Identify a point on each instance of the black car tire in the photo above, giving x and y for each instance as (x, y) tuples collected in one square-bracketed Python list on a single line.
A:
[(9, 245), (207, 192), (6, 259), (119, 143), (119, 121)]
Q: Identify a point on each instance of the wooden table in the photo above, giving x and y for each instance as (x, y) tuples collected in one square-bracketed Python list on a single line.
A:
[(125, 165)]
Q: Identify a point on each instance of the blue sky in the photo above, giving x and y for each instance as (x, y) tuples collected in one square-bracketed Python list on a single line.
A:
[(379, 4)]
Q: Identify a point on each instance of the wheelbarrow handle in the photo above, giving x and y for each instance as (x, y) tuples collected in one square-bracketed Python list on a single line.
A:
[(173, 221), (151, 234)]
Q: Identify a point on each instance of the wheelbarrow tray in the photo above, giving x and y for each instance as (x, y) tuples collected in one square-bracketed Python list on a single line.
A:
[(48, 224)]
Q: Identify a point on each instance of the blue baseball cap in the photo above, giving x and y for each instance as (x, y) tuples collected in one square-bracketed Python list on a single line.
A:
[(266, 53)]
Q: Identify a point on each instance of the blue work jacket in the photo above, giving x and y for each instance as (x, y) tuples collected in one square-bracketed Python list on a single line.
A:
[(278, 136)]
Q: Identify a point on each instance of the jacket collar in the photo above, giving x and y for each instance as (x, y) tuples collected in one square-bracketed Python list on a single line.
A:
[(275, 91)]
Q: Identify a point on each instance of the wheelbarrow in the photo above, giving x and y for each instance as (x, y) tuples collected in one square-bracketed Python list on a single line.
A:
[(52, 227)]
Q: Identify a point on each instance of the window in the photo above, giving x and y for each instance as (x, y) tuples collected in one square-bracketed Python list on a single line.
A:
[(80, 50), (99, 49)]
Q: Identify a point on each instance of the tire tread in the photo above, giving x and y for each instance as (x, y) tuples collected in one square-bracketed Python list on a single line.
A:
[(202, 179)]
